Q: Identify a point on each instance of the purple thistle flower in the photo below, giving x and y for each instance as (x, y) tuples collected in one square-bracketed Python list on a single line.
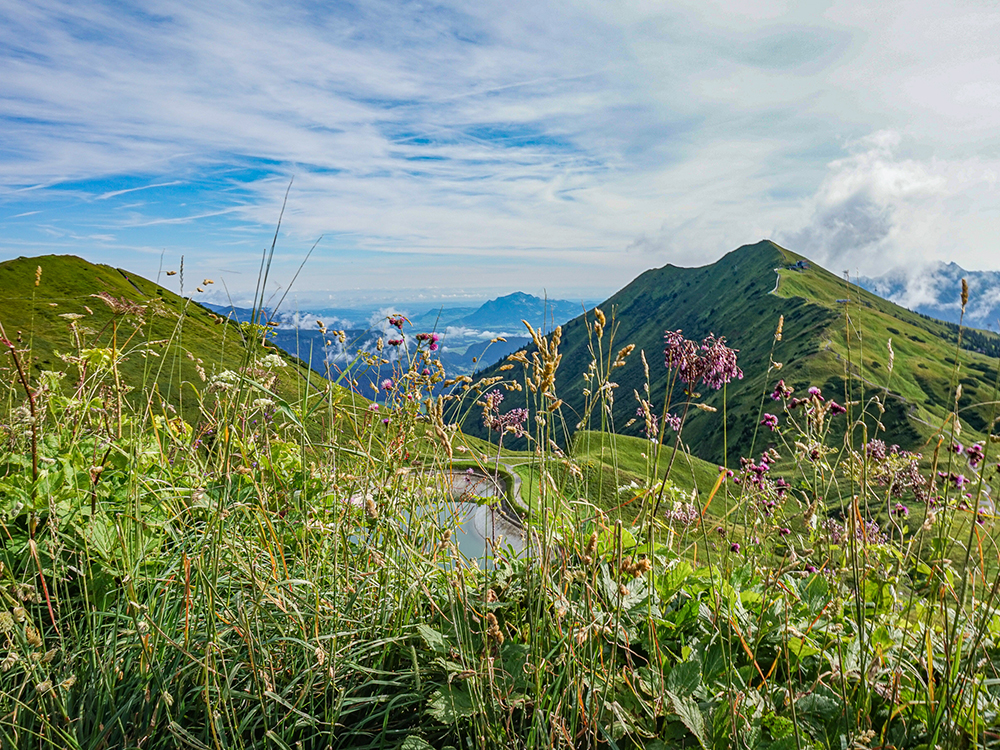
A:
[(975, 453), (387, 384), (900, 510), (781, 391), (395, 342), (771, 421), (720, 362), (734, 547)]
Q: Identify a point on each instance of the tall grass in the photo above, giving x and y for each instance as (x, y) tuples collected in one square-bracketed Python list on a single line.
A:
[(264, 576)]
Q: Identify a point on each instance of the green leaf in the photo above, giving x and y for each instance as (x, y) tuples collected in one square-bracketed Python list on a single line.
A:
[(413, 742), (801, 648), (434, 640), (687, 709), (684, 679), (450, 704), (778, 726)]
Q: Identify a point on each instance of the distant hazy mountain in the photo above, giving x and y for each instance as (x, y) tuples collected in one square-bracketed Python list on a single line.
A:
[(508, 312), (467, 333), (936, 291), (503, 314)]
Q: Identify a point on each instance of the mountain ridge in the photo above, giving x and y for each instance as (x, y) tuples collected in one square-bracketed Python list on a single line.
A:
[(737, 298)]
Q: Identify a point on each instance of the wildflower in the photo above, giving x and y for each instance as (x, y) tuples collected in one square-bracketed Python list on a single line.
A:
[(493, 631), (425, 372), (781, 391), (836, 408), (32, 637), (272, 361), (900, 510), (684, 514), (720, 362), (785, 531), (395, 342), (6, 622), (810, 568), (386, 384), (673, 422), (397, 321), (512, 421), (771, 421), (815, 392), (9, 661), (975, 453), (876, 450), (720, 531), (957, 448), (734, 547), (652, 425)]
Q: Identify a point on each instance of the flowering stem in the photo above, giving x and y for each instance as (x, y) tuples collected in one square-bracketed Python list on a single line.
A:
[(673, 455), (31, 406)]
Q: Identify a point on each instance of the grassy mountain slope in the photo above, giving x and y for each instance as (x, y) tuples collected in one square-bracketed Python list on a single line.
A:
[(172, 348), (738, 297)]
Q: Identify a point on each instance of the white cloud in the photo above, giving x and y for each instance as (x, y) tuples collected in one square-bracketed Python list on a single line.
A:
[(453, 144), (876, 210)]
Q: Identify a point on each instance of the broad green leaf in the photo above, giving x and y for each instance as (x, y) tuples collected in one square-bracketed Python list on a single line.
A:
[(687, 709), (450, 704), (434, 640), (413, 742), (684, 679)]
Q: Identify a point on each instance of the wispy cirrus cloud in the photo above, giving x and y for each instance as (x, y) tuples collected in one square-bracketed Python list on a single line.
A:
[(454, 145)]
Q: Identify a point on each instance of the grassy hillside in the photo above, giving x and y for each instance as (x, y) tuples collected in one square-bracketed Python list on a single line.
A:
[(742, 297), (168, 345)]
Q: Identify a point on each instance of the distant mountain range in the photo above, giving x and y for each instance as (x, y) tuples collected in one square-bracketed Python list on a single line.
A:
[(936, 291), (467, 333), (741, 297)]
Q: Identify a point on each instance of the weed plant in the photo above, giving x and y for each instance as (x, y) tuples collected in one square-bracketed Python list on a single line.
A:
[(264, 577)]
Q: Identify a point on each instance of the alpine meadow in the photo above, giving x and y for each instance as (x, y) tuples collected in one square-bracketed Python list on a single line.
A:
[(743, 505)]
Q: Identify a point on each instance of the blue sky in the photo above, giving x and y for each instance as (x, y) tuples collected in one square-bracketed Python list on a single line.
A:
[(453, 151)]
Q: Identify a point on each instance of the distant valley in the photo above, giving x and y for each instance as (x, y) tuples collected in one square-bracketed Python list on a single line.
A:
[(469, 336)]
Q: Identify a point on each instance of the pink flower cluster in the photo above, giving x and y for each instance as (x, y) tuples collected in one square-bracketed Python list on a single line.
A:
[(896, 469), (712, 361), (433, 338), (651, 428), (512, 421), (684, 514)]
